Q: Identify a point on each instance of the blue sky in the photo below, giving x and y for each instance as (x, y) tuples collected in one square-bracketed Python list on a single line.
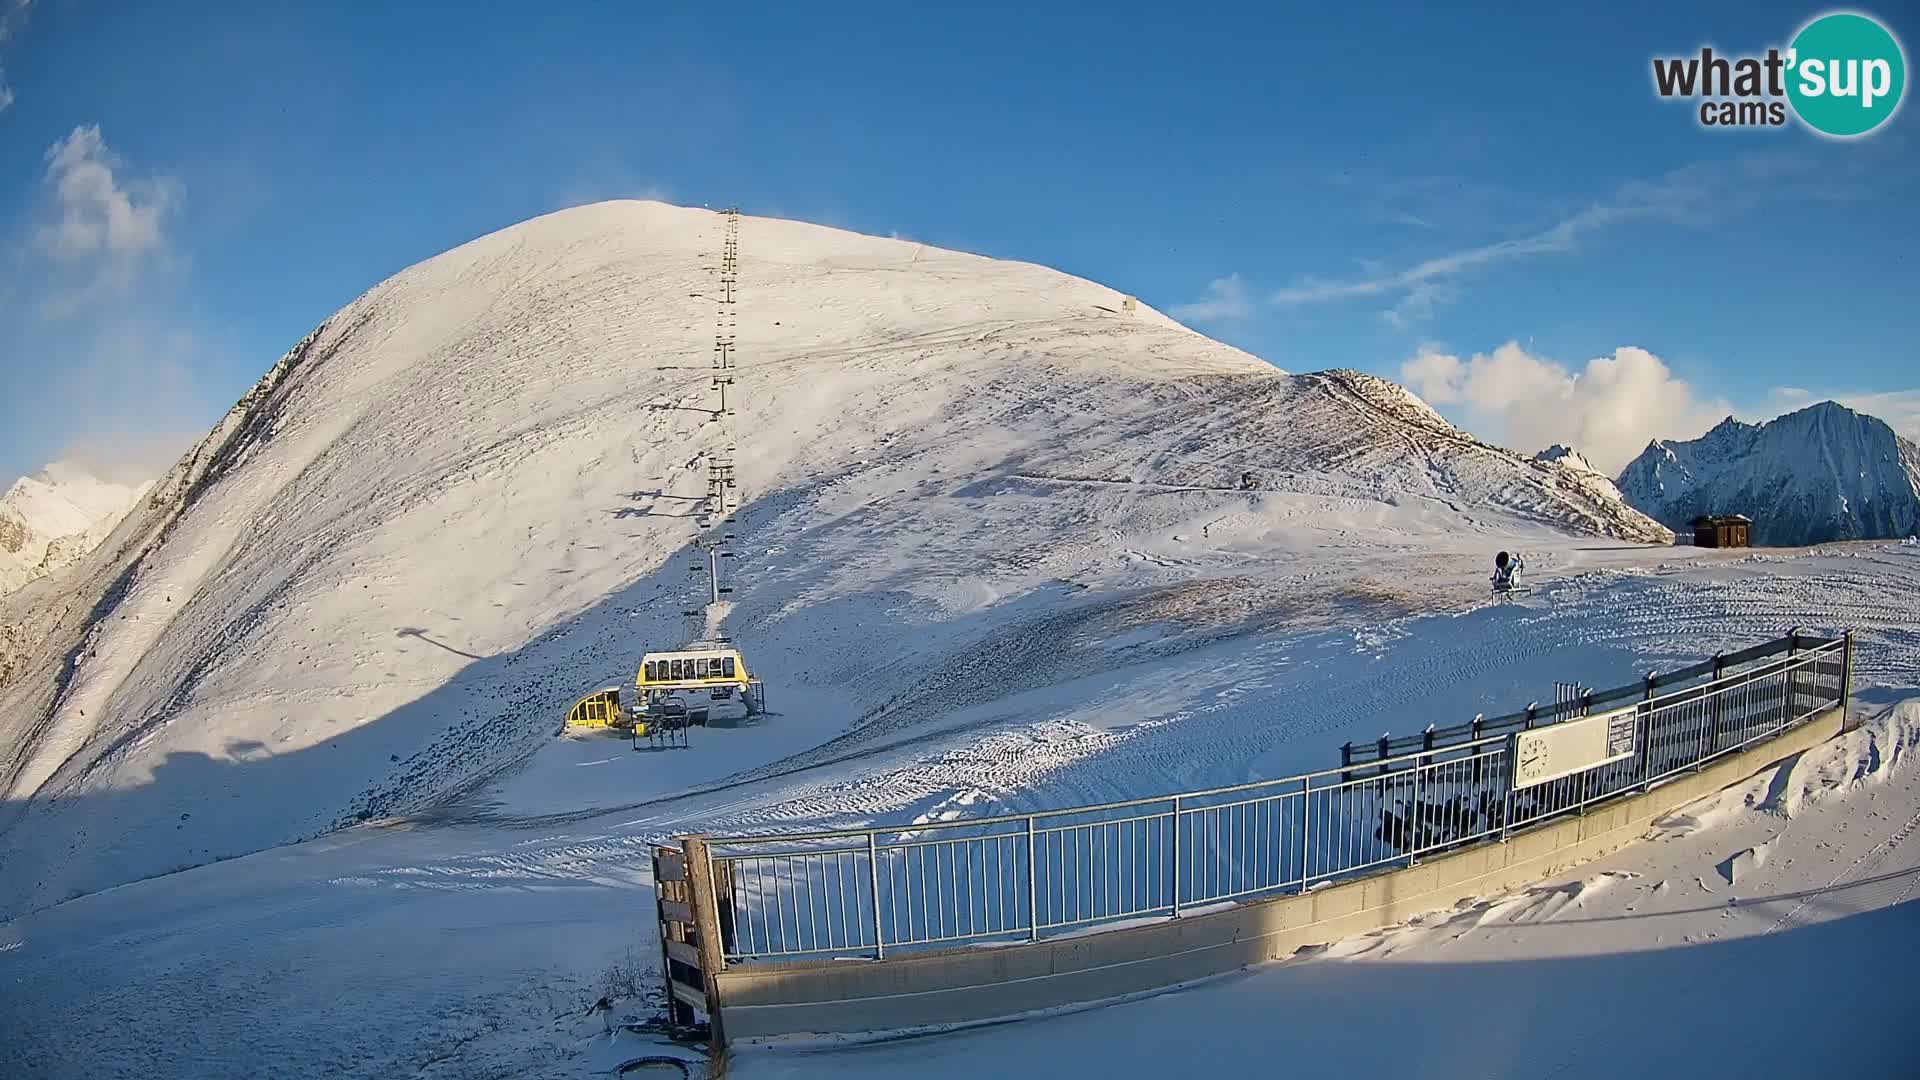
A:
[(1480, 204)]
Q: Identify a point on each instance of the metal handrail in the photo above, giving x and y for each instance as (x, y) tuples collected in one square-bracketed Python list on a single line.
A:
[(1170, 854), (1373, 766)]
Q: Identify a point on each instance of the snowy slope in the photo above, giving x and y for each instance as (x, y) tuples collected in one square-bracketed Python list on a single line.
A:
[(1822, 473), (497, 936), (49, 522), (466, 498)]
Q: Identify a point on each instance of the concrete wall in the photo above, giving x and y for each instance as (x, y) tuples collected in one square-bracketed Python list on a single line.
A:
[(966, 985)]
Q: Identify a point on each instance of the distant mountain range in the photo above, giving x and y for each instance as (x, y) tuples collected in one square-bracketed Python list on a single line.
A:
[(1823, 473), (49, 522)]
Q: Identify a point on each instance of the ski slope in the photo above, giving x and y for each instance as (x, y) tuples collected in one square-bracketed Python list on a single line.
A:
[(472, 944), (467, 498)]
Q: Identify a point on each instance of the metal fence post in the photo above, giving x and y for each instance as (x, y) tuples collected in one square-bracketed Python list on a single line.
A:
[(1176, 856), (1306, 832), (1586, 709), (873, 880), (1033, 888), (1646, 752), (1846, 682), (1413, 814), (1714, 701), (1793, 678), (1513, 743)]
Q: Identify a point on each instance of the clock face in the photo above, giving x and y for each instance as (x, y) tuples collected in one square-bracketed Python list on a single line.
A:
[(1532, 758)]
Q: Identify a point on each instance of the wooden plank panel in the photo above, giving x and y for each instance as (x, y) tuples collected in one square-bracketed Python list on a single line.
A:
[(669, 866), (689, 995), (675, 911), (685, 953)]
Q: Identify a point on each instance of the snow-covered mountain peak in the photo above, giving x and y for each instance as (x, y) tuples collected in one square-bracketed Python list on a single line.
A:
[(472, 493), (1391, 397), (1561, 454), (1825, 472), (47, 522)]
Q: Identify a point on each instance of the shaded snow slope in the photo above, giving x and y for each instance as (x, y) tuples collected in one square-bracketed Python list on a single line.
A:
[(1822, 473), (49, 522), (467, 498)]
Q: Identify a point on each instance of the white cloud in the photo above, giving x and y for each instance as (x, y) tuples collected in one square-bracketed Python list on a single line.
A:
[(111, 361), (1226, 299), (94, 214), (13, 15), (1607, 410)]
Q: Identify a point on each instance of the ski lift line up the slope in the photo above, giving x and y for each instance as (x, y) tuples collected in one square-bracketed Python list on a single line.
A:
[(705, 680)]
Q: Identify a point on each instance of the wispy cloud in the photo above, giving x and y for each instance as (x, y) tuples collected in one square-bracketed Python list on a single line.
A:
[(1692, 196), (1608, 409), (1226, 299), (13, 17), (1675, 205), (116, 343), (99, 226)]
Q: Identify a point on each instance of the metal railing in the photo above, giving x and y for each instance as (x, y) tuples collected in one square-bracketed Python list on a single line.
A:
[(869, 892), (1571, 700)]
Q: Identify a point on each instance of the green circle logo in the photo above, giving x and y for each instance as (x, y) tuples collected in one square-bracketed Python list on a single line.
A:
[(1846, 74)]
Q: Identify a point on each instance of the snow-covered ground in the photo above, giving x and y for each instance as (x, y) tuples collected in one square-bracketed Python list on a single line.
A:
[(470, 943)]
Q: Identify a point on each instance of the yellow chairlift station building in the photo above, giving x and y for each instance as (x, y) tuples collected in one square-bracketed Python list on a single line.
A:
[(692, 669)]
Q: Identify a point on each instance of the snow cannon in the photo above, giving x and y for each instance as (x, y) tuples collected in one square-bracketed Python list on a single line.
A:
[(1506, 573)]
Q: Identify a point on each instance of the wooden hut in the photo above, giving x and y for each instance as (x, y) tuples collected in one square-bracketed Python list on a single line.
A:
[(1722, 530)]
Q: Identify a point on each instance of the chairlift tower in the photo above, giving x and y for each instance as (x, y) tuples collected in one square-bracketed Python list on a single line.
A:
[(720, 508)]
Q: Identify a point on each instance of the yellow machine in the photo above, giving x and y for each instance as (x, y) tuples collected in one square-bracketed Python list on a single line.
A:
[(600, 709)]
